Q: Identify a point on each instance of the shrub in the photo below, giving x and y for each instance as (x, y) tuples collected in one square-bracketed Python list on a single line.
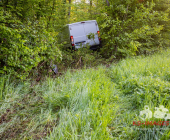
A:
[(23, 47)]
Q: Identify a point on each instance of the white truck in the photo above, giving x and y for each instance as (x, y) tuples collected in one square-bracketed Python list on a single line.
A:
[(81, 34)]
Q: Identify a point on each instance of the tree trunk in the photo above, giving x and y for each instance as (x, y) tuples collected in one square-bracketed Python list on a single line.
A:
[(50, 16), (69, 9), (107, 2), (90, 11)]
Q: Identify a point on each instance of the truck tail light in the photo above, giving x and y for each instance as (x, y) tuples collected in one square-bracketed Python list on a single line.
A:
[(98, 32), (72, 40)]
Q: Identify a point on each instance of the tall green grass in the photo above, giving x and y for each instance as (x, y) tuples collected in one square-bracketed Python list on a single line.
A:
[(97, 103), (91, 105), (146, 77), (146, 81), (5, 86)]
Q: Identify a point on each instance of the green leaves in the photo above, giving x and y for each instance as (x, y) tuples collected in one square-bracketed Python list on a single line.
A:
[(24, 47), (129, 27)]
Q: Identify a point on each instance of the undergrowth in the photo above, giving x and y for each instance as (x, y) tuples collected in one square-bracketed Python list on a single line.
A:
[(99, 103)]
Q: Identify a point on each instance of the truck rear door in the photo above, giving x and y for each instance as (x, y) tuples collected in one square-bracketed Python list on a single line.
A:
[(91, 27), (78, 33)]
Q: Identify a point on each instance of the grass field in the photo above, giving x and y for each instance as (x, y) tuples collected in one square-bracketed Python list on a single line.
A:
[(98, 103)]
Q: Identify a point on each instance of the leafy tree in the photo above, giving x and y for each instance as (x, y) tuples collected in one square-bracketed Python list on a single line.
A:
[(130, 27), (25, 39), (29, 29)]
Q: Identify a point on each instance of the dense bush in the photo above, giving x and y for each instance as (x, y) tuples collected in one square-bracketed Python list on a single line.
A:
[(130, 27), (25, 44), (30, 31)]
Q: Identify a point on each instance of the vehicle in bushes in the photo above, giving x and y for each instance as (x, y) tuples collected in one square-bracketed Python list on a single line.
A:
[(81, 34)]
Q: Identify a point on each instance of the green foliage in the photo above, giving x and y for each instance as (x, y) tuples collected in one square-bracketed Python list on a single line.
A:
[(99, 103), (23, 49), (4, 83), (89, 96), (30, 31), (81, 58), (129, 28), (145, 79), (25, 45)]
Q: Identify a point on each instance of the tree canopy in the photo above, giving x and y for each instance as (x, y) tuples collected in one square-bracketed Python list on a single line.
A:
[(29, 29)]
